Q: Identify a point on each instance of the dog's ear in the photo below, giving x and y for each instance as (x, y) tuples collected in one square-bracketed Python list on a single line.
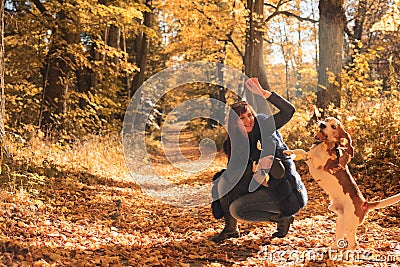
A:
[(347, 149), (331, 166), (344, 159), (336, 161)]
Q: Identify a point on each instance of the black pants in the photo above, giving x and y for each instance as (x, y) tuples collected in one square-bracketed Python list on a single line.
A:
[(256, 206)]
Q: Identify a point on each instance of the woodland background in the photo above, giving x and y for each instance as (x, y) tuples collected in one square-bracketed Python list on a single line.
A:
[(68, 69)]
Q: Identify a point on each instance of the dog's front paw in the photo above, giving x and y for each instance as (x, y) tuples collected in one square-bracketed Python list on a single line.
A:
[(288, 152), (297, 154)]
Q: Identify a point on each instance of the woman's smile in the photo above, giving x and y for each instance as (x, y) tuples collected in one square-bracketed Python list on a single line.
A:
[(247, 119)]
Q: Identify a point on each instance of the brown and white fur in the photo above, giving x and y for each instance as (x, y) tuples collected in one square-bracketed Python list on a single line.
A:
[(327, 160)]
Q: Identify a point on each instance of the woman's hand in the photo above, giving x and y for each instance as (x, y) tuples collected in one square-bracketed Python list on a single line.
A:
[(265, 163), (254, 86), (261, 178), (261, 171)]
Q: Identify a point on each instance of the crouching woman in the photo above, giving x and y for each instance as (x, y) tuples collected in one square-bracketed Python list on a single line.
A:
[(269, 188)]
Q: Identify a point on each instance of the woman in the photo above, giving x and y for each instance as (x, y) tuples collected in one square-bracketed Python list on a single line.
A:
[(258, 195)]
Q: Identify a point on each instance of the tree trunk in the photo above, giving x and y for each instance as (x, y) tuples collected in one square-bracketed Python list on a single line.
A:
[(218, 93), (253, 58), (85, 76), (57, 71), (114, 40), (55, 85), (84, 79), (331, 30), (360, 20), (142, 49)]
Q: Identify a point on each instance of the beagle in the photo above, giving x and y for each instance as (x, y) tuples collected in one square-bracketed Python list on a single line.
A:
[(327, 161)]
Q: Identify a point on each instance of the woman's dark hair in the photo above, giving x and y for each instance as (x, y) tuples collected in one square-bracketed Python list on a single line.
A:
[(234, 134), (240, 107)]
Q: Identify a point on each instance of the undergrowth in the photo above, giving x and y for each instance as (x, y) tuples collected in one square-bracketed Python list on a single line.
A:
[(33, 160)]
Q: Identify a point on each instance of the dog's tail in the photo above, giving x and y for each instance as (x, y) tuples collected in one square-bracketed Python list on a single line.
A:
[(384, 202)]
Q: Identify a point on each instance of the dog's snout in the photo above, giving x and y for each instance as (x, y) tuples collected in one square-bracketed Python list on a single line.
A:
[(322, 125)]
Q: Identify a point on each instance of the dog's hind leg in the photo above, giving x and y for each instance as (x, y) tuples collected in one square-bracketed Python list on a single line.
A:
[(351, 237), (340, 232), (351, 230)]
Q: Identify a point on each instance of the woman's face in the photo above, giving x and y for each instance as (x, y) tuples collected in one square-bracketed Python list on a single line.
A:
[(246, 120)]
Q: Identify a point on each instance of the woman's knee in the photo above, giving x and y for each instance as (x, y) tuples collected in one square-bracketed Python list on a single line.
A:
[(243, 209), (237, 209)]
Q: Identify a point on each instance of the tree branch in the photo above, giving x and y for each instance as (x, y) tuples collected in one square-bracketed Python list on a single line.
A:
[(280, 3), (349, 33), (286, 13), (235, 45), (39, 6), (290, 14), (228, 35)]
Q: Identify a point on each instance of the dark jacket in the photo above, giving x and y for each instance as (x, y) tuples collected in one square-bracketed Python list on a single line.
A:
[(289, 190)]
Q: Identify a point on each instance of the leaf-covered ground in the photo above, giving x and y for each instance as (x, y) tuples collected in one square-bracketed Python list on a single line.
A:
[(83, 217)]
